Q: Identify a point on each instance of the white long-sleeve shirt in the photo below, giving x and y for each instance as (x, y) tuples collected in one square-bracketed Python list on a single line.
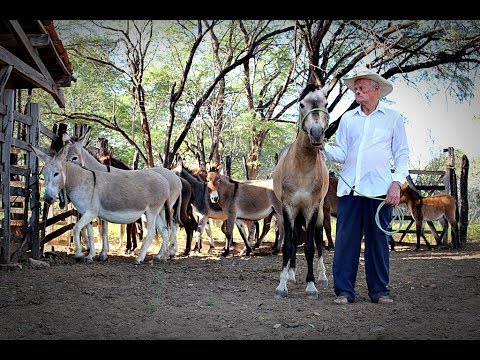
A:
[(365, 144)]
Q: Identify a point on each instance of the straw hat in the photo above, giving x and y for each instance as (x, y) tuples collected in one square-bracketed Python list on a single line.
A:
[(386, 86)]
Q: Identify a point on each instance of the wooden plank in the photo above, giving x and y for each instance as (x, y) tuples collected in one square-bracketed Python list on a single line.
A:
[(56, 218), (36, 40), (18, 170), (5, 72), (430, 187), (14, 210), (20, 144), (427, 172), (6, 124), (3, 109), (2, 137), (33, 111), (30, 74), (17, 183), (57, 93), (17, 223), (24, 119), (16, 191), (46, 131), (55, 234)]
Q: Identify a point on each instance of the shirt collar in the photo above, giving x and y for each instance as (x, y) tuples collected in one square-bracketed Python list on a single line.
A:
[(380, 107)]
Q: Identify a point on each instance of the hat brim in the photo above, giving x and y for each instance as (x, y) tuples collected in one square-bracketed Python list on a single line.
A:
[(386, 86)]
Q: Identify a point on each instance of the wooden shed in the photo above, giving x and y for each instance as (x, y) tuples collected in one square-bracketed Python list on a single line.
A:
[(31, 56)]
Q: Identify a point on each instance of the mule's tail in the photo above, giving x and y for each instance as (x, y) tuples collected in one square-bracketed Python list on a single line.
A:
[(177, 210), (168, 214)]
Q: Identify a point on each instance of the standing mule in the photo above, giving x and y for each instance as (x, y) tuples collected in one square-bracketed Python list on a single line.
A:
[(136, 192), (442, 207), (77, 153), (243, 201), (203, 208), (300, 181)]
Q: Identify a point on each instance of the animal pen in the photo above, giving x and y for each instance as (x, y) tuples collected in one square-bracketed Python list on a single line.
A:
[(31, 56)]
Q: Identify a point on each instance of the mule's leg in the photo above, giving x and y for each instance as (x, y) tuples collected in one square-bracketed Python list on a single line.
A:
[(128, 248), (160, 223), (151, 219), (91, 242), (229, 235), (84, 220), (122, 237), (438, 238), (322, 277), (104, 252), (267, 223), (455, 232), (248, 249), (282, 291), (327, 225), (419, 233), (172, 249), (309, 248), (279, 234)]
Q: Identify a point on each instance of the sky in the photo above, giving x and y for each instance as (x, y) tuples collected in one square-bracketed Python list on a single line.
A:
[(437, 123)]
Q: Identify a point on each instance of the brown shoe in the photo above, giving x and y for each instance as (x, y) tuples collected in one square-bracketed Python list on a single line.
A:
[(341, 300), (385, 300)]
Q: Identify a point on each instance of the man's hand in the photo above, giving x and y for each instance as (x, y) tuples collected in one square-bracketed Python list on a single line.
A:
[(393, 194)]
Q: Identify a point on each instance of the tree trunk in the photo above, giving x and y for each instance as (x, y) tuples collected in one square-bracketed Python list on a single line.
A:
[(463, 219), (256, 145), (147, 139)]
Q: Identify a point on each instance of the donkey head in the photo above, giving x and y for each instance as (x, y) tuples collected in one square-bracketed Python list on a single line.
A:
[(54, 172), (314, 115), (73, 148), (214, 179)]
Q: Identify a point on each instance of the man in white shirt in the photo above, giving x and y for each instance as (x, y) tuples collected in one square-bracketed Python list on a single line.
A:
[(367, 139)]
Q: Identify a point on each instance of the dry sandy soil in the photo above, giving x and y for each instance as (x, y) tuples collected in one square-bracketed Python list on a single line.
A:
[(207, 297)]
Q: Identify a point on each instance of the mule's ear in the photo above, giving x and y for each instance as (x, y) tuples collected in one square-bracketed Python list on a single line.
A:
[(300, 89), (325, 89), (83, 140), (44, 157), (66, 138)]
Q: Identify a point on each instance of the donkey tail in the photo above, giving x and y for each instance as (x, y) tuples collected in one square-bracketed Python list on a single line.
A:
[(177, 210), (168, 214)]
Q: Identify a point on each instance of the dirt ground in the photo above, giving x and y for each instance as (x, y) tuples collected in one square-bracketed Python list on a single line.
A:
[(208, 297)]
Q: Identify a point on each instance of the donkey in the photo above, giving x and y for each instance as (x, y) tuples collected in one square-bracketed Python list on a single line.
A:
[(188, 221), (77, 153), (203, 208), (300, 181), (243, 201), (442, 207), (91, 193)]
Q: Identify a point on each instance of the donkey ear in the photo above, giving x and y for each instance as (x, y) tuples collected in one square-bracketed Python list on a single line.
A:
[(83, 140), (325, 89), (44, 157), (66, 138)]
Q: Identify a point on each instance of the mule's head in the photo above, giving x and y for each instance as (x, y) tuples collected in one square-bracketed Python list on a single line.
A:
[(73, 148), (314, 115), (54, 172), (213, 184)]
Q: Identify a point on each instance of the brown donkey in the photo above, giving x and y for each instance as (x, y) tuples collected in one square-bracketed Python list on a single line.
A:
[(243, 201), (441, 207)]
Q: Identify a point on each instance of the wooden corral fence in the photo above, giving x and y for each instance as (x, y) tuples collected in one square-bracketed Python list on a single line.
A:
[(32, 56), (442, 181), (22, 228)]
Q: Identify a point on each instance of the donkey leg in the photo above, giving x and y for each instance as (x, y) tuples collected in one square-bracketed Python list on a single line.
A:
[(208, 231), (282, 291), (165, 232), (150, 216), (84, 220), (104, 253)]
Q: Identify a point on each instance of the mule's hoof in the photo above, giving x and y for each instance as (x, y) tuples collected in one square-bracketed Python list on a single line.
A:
[(225, 253), (312, 294), (79, 258), (158, 259), (88, 260), (281, 294), (186, 253), (102, 257), (137, 262), (323, 283)]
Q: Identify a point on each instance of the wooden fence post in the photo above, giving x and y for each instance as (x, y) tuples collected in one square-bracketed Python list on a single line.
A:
[(7, 125), (463, 212), (33, 135)]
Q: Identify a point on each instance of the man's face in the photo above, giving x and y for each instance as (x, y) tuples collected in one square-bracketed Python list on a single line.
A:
[(366, 91)]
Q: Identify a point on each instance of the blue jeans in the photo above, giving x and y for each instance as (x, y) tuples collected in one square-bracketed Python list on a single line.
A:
[(356, 219)]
